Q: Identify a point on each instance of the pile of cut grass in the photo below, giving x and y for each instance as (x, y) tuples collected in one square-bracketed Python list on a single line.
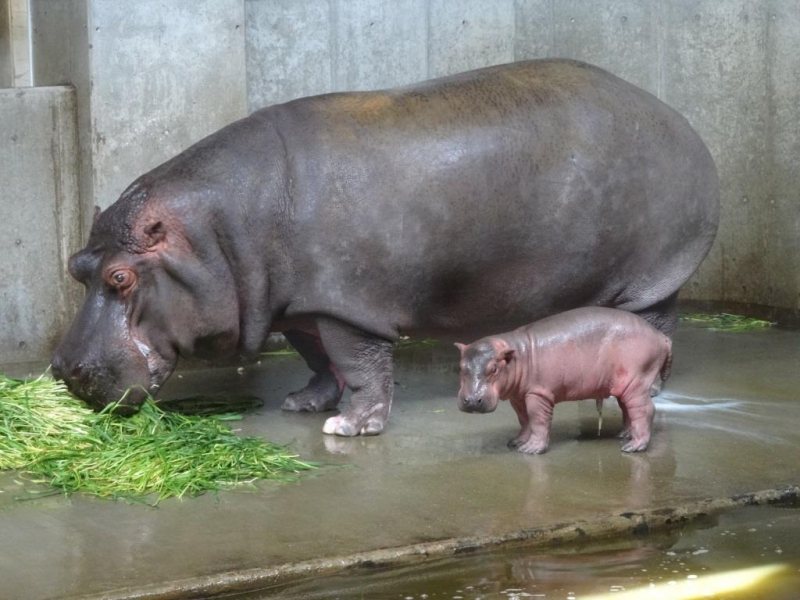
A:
[(725, 321), (54, 439)]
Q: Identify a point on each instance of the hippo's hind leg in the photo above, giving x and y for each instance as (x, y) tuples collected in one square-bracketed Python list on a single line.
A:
[(365, 362), (640, 410), (625, 434), (324, 389), (664, 317)]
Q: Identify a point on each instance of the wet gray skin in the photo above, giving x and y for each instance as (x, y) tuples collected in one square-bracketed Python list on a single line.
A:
[(461, 206)]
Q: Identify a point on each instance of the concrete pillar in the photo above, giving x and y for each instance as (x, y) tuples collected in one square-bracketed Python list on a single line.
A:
[(6, 62), (40, 224), (152, 76)]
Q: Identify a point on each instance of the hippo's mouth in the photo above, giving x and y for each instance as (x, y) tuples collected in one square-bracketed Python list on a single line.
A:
[(158, 367)]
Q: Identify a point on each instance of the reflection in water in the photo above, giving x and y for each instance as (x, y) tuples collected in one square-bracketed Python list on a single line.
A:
[(670, 402), (746, 547), (698, 587), (683, 409)]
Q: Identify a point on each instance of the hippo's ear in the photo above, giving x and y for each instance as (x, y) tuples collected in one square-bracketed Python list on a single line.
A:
[(154, 233), (461, 347), (97, 211), (508, 355)]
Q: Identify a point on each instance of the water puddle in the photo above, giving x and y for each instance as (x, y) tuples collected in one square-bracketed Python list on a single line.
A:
[(748, 554)]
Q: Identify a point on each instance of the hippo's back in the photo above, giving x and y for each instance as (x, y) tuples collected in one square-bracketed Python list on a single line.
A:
[(485, 200), (590, 322)]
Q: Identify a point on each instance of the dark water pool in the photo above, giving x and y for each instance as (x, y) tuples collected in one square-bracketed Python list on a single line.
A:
[(667, 564)]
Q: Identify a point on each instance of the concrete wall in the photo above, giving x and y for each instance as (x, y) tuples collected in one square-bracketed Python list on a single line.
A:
[(40, 224), (153, 77), (730, 66)]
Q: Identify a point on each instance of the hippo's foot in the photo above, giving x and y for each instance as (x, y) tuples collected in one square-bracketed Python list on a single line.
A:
[(365, 364), (352, 422), (636, 446), (516, 442), (625, 434), (533, 446), (322, 393)]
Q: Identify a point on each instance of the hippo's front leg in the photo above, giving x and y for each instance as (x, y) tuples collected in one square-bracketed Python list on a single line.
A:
[(540, 417), (518, 404), (365, 363), (324, 389)]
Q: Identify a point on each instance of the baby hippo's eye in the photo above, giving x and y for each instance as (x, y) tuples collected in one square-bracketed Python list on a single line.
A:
[(493, 369)]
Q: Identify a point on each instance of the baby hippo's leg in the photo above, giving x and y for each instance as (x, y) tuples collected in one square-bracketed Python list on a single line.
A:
[(625, 434), (540, 417), (640, 410), (522, 414)]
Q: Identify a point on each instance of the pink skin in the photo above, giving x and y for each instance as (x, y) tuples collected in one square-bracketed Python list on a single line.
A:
[(588, 353)]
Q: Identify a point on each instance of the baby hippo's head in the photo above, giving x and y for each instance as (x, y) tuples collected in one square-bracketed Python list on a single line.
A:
[(483, 369)]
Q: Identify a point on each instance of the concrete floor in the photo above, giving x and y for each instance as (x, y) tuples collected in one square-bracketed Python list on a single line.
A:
[(727, 423)]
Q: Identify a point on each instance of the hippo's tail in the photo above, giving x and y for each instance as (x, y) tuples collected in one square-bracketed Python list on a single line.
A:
[(666, 368)]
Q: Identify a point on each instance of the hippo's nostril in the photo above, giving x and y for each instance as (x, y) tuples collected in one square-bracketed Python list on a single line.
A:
[(57, 369), (77, 371)]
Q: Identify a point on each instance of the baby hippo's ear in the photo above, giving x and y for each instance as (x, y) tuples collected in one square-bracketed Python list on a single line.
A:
[(508, 354), (461, 347)]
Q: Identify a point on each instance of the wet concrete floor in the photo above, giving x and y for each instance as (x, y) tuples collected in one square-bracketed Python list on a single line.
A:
[(727, 423)]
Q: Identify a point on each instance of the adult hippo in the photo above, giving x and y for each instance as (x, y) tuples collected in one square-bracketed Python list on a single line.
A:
[(465, 205)]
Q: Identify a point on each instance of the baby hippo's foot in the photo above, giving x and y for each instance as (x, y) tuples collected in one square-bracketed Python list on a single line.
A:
[(625, 434), (354, 421), (636, 445), (322, 393), (533, 446), (516, 442)]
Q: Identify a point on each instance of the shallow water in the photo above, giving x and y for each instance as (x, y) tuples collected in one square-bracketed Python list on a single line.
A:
[(744, 538)]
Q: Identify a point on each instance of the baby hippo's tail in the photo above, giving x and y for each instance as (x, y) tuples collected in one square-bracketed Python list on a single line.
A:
[(666, 368)]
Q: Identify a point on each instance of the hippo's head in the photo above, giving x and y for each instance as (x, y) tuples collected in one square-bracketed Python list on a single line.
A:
[(483, 369), (157, 287)]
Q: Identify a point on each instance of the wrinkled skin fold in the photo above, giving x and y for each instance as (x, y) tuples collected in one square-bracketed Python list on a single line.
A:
[(456, 207)]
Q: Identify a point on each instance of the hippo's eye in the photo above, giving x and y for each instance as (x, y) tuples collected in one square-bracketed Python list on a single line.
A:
[(121, 279), (493, 369)]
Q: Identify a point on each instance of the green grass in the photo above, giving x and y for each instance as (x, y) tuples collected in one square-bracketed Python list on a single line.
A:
[(281, 352), (406, 342), (54, 439), (725, 321)]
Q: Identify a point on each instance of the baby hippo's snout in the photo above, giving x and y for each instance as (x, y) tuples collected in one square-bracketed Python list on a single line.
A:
[(477, 404)]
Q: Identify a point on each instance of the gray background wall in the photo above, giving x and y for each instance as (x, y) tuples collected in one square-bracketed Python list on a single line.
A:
[(153, 76)]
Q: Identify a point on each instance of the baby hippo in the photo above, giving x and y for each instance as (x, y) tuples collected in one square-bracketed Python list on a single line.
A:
[(586, 353)]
